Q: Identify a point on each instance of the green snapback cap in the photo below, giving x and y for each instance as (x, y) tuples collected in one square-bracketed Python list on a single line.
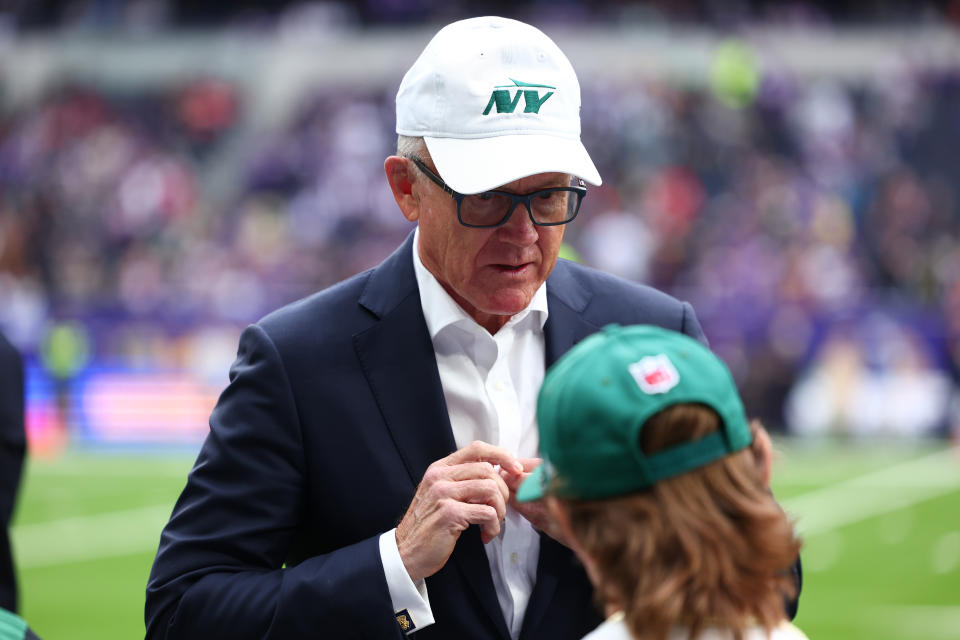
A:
[(595, 400)]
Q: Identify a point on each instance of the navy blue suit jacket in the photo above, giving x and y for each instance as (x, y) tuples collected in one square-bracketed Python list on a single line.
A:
[(333, 412)]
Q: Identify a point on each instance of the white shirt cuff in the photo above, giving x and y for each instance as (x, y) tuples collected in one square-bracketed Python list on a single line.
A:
[(411, 604)]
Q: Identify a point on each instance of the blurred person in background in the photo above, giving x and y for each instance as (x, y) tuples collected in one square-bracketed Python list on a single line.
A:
[(662, 485), (13, 446), (873, 380), (13, 449), (406, 394)]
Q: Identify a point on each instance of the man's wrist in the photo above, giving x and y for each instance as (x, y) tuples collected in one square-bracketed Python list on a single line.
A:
[(409, 598), (403, 552)]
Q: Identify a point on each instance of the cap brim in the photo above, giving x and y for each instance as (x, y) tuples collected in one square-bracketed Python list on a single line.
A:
[(533, 487), (472, 165)]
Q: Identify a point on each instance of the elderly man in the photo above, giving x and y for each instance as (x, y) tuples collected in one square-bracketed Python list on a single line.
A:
[(367, 428)]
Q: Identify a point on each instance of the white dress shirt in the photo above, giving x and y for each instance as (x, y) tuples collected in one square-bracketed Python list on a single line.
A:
[(490, 384)]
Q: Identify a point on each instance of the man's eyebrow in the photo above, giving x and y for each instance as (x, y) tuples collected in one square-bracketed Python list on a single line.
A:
[(548, 184)]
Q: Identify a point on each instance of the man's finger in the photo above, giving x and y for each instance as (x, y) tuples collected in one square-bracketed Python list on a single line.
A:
[(485, 491), (514, 480), (478, 471), (470, 470), (485, 516), (529, 464), (479, 451)]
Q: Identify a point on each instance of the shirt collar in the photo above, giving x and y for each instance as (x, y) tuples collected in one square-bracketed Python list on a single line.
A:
[(441, 311)]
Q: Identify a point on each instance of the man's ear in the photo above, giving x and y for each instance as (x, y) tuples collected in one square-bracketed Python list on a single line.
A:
[(401, 184)]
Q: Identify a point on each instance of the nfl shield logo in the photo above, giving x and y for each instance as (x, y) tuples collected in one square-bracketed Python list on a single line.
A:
[(655, 374)]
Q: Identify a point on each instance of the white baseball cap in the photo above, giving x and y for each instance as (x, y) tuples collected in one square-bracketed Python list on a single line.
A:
[(495, 100)]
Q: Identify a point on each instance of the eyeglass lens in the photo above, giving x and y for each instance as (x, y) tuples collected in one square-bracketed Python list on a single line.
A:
[(550, 206)]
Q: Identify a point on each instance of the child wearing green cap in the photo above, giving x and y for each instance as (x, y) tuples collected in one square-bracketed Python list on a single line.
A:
[(660, 484)]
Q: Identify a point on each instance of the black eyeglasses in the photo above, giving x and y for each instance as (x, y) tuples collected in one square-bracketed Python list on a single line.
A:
[(547, 207)]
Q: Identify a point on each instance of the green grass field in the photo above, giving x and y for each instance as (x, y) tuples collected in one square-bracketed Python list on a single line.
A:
[(881, 525)]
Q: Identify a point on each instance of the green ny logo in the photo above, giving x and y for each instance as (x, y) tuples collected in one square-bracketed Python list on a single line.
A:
[(506, 104)]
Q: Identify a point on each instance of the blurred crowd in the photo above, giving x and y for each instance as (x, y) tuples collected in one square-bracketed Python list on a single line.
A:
[(815, 226), (147, 15), (798, 218)]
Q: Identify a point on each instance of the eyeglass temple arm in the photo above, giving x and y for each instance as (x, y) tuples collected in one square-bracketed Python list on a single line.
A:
[(437, 180)]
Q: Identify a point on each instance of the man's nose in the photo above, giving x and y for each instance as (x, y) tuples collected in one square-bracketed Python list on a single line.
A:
[(519, 229)]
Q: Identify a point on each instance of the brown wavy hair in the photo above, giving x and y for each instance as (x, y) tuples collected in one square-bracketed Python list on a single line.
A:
[(710, 547)]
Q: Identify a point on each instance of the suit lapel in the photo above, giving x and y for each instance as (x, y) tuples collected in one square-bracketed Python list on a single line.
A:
[(397, 358), (566, 301), (396, 355)]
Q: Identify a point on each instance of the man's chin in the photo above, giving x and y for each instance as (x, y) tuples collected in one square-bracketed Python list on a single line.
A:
[(508, 305), (498, 307)]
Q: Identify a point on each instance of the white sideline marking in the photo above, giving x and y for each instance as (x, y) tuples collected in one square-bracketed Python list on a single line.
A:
[(917, 621), (88, 467), (117, 533), (876, 493), (81, 538)]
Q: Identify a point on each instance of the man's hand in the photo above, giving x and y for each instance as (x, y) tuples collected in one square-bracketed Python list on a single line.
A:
[(462, 489), (536, 512)]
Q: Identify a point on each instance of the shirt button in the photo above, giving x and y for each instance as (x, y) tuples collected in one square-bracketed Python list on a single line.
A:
[(499, 385), (514, 558)]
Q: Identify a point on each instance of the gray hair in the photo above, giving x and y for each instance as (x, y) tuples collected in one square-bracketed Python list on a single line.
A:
[(412, 147)]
